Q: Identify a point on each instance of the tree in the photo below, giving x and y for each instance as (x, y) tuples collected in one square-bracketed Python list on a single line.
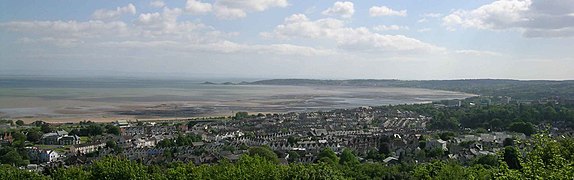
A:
[(33, 135), (19, 122), (511, 158), (118, 168), (508, 142), (348, 158), (95, 129), (292, 140), (18, 136), (111, 129), (11, 156), (241, 115), (328, 156), (9, 172), (445, 136), (384, 148), (293, 156), (111, 144), (264, 152), (46, 128), (487, 160), (522, 127)]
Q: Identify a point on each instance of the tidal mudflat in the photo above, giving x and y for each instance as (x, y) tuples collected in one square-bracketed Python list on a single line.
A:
[(106, 100)]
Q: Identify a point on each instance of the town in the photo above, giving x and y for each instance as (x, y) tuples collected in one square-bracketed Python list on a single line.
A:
[(386, 134)]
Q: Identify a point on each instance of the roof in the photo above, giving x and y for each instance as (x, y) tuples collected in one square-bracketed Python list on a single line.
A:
[(390, 158)]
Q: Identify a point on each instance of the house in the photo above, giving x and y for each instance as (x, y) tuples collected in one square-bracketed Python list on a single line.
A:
[(86, 148), (7, 138), (319, 132), (436, 143), (69, 140), (59, 138), (50, 138), (49, 156), (122, 123), (42, 155), (391, 160)]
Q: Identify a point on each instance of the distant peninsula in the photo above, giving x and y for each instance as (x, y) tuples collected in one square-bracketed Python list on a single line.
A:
[(521, 89)]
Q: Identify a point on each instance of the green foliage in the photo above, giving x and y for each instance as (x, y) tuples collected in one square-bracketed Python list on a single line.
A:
[(328, 156), (95, 129), (446, 135), (264, 152), (19, 122), (46, 128), (293, 156), (241, 115), (117, 168), (522, 127), (450, 170), (71, 173), (546, 158), (33, 135), (111, 129), (10, 155), (180, 140), (9, 172), (511, 158), (487, 160), (348, 158), (292, 140)]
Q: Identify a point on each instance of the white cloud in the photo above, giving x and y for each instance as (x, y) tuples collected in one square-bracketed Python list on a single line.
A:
[(385, 11), (354, 39), (223, 12), (157, 3), (427, 16), (424, 30), (469, 52), (234, 9), (535, 18), (102, 14), (197, 7), (344, 9), (68, 29), (390, 28), (432, 15)]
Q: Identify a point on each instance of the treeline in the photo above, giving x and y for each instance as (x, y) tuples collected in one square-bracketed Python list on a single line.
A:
[(545, 158), (518, 118)]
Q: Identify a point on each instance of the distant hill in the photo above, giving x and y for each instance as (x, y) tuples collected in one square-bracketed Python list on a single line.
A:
[(525, 90)]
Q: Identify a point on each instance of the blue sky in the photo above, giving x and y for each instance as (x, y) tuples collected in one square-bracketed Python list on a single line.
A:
[(389, 39)]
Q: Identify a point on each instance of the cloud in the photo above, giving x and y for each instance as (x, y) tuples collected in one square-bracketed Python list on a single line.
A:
[(385, 11), (234, 9), (68, 29), (157, 3), (427, 16), (353, 39), (103, 14), (469, 52), (432, 15), (535, 18), (390, 28), (424, 30), (197, 7), (149, 32), (343, 9)]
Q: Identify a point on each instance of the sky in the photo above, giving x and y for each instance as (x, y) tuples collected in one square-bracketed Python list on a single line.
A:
[(383, 39)]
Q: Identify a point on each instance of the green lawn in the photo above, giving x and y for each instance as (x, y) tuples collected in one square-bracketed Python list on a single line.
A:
[(84, 139)]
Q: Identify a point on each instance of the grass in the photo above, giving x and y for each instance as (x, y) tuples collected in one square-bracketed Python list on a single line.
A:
[(84, 139)]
